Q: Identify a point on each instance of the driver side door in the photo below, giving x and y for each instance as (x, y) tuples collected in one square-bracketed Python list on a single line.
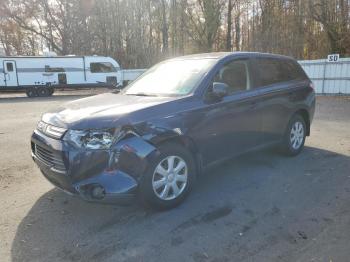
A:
[(232, 124)]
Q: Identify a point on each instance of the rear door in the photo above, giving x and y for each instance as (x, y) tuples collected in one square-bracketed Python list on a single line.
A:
[(10, 73), (279, 84)]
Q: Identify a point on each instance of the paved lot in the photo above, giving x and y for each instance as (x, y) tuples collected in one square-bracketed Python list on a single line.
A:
[(259, 207)]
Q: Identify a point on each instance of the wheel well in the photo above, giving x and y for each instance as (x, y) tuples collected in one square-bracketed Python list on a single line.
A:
[(305, 115)]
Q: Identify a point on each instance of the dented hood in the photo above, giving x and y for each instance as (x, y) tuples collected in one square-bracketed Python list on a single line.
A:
[(101, 111)]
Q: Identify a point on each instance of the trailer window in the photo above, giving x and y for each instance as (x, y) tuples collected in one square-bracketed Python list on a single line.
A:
[(9, 67), (49, 69), (102, 67)]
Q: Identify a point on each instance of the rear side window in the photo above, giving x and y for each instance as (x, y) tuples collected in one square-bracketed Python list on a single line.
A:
[(292, 70), (268, 70), (102, 67), (272, 71)]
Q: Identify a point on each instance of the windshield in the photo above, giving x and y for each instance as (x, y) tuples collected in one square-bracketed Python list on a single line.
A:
[(171, 78)]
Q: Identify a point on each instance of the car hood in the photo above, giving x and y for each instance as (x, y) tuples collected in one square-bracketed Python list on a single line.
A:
[(101, 111)]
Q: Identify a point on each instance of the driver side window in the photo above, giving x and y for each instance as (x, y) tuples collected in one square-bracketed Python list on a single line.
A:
[(236, 75)]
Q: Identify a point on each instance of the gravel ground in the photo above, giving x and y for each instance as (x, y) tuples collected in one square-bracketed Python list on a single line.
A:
[(258, 207)]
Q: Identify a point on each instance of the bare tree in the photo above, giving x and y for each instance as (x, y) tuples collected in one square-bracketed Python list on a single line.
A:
[(138, 33)]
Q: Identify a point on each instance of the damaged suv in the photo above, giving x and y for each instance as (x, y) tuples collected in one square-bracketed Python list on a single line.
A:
[(153, 139)]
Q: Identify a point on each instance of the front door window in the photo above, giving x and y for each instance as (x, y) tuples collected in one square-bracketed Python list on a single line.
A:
[(236, 75)]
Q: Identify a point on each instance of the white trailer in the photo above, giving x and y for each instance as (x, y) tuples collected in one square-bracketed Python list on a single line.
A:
[(39, 75)]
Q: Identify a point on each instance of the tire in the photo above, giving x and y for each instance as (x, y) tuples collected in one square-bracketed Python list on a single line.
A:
[(31, 92), (294, 137), (152, 190), (43, 91)]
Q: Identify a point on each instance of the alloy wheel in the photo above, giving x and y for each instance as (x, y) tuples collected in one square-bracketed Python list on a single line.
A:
[(297, 135), (170, 178)]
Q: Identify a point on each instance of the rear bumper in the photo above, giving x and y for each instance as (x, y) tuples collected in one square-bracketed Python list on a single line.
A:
[(108, 176)]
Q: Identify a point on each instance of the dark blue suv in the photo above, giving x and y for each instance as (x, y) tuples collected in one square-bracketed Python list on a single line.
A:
[(153, 139)]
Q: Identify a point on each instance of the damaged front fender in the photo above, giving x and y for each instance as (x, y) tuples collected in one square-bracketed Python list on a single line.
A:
[(128, 160), (132, 155)]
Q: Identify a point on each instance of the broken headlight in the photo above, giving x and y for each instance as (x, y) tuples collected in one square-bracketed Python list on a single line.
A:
[(91, 139)]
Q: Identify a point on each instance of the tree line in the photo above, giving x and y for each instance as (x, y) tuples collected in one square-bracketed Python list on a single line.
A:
[(139, 33)]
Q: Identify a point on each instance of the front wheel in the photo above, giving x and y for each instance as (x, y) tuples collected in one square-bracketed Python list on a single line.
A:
[(169, 178), (294, 138)]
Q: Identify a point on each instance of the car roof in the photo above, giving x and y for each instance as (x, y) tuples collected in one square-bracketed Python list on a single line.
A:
[(220, 55)]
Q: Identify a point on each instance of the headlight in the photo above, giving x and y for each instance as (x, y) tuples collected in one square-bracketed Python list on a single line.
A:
[(90, 139), (50, 130)]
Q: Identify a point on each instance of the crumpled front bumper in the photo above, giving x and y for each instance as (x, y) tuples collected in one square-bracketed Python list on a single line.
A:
[(109, 176)]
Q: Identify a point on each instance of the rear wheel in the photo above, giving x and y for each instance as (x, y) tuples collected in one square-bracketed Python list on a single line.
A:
[(169, 178), (294, 138), (31, 92)]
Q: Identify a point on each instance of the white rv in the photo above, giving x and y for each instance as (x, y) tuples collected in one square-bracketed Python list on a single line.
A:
[(39, 75)]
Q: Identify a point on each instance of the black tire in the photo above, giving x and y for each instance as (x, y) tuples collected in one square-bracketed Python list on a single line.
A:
[(31, 92), (43, 91), (148, 196), (292, 147)]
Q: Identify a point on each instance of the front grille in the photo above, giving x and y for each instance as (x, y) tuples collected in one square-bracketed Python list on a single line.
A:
[(49, 158)]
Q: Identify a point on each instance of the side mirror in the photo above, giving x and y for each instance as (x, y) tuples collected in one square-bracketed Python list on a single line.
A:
[(220, 89)]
